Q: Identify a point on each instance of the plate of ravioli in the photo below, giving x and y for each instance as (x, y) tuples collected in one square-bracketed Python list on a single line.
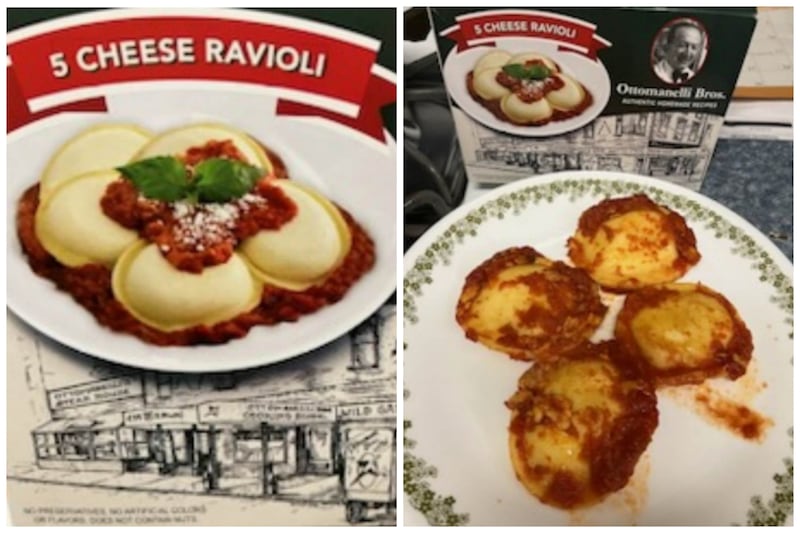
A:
[(196, 247), (527, 87), (597, 348)]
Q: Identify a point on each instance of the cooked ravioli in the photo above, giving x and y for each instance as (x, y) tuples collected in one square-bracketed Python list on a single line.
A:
[(307, 248), (72, 227), (520, 303), (629, 243), (178, 141), (99, 148), (493, 59), (523, 112), (168, 299), (684, 333), (568, 97), (579, 425), (485, 84)]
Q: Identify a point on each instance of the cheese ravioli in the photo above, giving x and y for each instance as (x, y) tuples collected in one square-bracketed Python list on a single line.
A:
[(579, 425), (527, 306), (684, 333), (632, 242)]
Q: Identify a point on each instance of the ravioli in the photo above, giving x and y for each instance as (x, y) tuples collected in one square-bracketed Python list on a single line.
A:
[(306, 249), (567, 97), (492, 59), (71, 224), (521, 303), (684, 333), (98, 148), (523, 112), (628, 243), (526, 57), (168, 299), (579, 425), (526, 89), (179, 140), (194, 236), (485, 83)]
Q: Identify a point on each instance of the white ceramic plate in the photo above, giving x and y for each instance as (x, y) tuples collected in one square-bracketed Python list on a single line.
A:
[(458, 469), (354, 174), (592, 74)]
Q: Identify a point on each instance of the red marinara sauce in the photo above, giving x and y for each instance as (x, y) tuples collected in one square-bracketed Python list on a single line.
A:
[(195, 236), (90, 285)]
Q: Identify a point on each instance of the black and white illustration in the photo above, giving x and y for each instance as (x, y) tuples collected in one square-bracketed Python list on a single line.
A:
[(674, 146), (307, 441)]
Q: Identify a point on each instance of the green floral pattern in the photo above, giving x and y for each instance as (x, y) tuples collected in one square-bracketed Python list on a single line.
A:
[(416, 472), (440, 510), (779, 507)]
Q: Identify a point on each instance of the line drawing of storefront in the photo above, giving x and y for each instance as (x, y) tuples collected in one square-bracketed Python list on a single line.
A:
[(279, 433), (163, 440), (675, 146), (268, 441)]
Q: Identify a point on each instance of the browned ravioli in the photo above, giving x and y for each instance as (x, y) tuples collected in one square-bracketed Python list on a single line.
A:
[(628, 243), (523, 304), (579, 425), (684, 333)]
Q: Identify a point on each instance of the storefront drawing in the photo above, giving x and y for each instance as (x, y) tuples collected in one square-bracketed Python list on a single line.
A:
[(675, 146), (317, 430)]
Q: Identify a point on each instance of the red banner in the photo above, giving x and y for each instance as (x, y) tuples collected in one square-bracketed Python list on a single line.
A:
[(480, 29), (331, 72)]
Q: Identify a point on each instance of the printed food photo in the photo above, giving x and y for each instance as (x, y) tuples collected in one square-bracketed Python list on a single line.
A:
[(213, 202), (191, 236), (202, 267), (526, 86)]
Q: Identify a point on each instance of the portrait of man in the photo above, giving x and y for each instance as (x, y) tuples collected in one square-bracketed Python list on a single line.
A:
[(679, 51)]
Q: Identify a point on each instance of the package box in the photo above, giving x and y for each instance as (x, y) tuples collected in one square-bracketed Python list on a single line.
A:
[(637, 90)]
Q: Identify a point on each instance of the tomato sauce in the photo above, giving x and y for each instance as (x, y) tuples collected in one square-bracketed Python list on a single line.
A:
[(736, 418), (90, 285)]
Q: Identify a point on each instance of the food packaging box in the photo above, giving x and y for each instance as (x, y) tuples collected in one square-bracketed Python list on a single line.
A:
[(222, 421), (656, 84)]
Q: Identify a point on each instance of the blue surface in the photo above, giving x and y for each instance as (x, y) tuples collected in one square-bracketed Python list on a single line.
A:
[(754, 179)]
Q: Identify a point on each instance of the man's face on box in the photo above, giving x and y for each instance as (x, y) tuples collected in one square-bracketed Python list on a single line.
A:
[(684, 48)]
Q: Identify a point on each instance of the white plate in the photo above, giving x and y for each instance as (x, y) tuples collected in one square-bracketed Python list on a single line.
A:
[(692, 473), (354, 174), (592, 74)]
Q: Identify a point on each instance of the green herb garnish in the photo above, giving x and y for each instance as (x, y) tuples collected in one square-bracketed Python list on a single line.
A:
[(521, 72), (159, 178), (215, 180), (220, 180)]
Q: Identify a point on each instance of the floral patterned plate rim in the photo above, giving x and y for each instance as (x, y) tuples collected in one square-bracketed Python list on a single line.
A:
[(456, 469)]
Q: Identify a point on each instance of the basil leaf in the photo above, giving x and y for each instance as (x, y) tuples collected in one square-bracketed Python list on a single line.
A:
[(221, 180), (521, 72), (516, 70), (538, 72), (158, 178)]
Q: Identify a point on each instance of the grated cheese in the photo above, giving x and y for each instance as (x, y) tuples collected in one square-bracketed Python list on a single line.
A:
[(199, 225)]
